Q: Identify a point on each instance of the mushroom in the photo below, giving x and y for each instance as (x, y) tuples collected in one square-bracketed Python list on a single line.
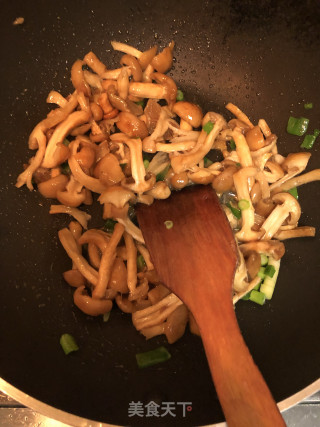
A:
[(125, 48), (147, 90), (131, 229), (118, 277), (287, 209), (183, 162), (255, 139), (299, 180), (116, 195), (241, 183), (179, 180), (170, 87), (73, 251), (51, 157), (73, 195), (176, 323), (87, 181), (188, 112), (106, 263), (276, 172), (163, 61), (240, 282), (108, 170), (224, 181), (131, 125), (77, 78), (294, 164), (146, 57), (140, 181), (295, 232), (157, 313), (94, 63), (55, 97), (90, 306), (123, 84), (242, 148), (271, 247), (239, 114), (81, 216), (74, 278), (134, 66), (50, 187), (160, 190)]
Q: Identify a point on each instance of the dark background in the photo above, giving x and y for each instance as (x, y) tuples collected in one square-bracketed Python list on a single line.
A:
[(264, 57)]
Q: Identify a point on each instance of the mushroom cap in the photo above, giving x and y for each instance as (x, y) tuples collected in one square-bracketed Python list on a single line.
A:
[(188, 112)]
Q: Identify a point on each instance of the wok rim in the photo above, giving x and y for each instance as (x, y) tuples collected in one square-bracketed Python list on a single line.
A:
[(74, 420)]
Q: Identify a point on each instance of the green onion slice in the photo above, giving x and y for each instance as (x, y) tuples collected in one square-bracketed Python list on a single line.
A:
[(308, 106), (152, 357), (180, 95), (109, 225), (232, 145), (208, 127), (168, 224), (269, 270), (65, 168), (257, 297), (146, 163), (297, 126), (207, 162), (66, 142), (264, 259), (68, 343), (235, 212), (161, 175), (141, 103), (243, 204), (106, 316), (261, 273), (294, 192), (141, 264)]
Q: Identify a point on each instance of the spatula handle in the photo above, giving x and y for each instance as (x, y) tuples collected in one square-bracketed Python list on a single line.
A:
[(244, 396)]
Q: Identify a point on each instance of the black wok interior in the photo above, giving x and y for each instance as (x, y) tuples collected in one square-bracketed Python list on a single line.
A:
[(263, 57)]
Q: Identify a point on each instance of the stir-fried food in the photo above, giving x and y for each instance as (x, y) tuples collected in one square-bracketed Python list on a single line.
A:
[(128, 135)]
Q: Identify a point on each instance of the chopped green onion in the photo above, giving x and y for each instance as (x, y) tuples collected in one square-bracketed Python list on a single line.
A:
[(109, 225), (264, 259), (308, 142), (297, 126), (232, 145), (294, 192), (308, 106), (257, 297), (243, 204), (106, 316), (152, 357), (180, 95), (141, 264), (65, 168), (236, 212), (238, 165), (168, 224), (269, 283), (208, 127), (141, 102), (123, 166), (161, 175), (261, 273), (257, 287), (66, 142), (146, 163), (246, 296), (207, 162), (68, 343), (270, 270), (310, 139)]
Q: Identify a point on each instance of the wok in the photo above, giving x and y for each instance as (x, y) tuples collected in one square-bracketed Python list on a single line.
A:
[(263, 57)]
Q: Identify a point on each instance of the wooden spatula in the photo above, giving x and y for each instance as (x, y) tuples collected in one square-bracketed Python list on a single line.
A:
[(196, 259)]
